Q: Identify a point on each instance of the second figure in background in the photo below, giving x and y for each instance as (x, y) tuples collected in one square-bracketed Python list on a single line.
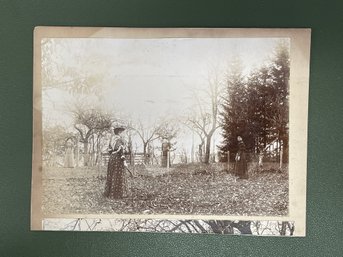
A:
[(241, 160)]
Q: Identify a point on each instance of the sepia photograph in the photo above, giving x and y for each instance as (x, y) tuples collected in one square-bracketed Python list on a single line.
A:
[(178, 130)]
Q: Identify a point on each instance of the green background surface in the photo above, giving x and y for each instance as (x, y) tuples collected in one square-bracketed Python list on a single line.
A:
[(324, 205)]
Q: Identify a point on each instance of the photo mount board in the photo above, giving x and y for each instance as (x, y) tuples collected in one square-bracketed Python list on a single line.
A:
[(298, 108)]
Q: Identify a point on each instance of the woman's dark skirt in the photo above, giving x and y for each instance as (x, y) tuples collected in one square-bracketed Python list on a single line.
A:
[(242, 167), (115, 183)]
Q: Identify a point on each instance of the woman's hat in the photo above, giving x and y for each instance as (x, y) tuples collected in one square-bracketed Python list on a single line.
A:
[(118, 127)]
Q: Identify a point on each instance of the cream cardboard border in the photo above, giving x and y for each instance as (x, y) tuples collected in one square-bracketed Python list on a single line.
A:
[(299, 86)]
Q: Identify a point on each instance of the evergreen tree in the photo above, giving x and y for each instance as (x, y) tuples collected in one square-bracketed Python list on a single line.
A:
[(256, 107), (268, 100), (280, 73), (258, 90), (234, 108)]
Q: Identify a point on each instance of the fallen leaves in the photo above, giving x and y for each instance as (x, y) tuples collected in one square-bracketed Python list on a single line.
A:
[(181, 190)]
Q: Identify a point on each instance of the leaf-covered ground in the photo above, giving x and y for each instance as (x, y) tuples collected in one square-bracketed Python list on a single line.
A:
[(184, 189)]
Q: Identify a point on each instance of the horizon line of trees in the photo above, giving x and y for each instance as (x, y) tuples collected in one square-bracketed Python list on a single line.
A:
[(91, 132)]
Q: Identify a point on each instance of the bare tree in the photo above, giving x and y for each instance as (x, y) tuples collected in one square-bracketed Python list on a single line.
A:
[(191, 226), (168, 129), (90, 123), (162, 129), (54, 138), (285, 228), (197, 125), (204, 116), (147, 133)]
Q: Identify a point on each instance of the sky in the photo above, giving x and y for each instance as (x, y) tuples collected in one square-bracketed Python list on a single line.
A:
[(148, 79)]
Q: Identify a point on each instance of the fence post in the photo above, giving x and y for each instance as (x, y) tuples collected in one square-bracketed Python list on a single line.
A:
[(281, 153), (228, 161), (168, 161)]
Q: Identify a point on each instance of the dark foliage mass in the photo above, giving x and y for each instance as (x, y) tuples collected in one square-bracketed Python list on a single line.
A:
[(256, 105)]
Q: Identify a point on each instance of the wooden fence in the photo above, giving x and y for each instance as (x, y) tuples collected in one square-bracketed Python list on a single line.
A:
[(138, 159)]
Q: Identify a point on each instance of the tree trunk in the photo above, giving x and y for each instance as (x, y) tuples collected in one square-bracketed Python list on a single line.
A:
[(264, 139), (200, 152), (192, 149), (92, 162), (144, 148), (77, 152), (285, 150), (291, 228), (243, 227), (146, 158), (208, 149), (214, 226), (283, 228), (98, 152), (85, 154)]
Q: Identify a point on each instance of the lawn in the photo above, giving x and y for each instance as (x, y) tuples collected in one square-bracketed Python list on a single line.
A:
[(183, 189)]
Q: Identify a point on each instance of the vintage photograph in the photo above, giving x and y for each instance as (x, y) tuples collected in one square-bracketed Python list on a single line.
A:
[(153, 126)]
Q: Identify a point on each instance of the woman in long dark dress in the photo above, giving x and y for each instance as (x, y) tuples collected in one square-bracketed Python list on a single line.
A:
[(241, 160), (116, 181)]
